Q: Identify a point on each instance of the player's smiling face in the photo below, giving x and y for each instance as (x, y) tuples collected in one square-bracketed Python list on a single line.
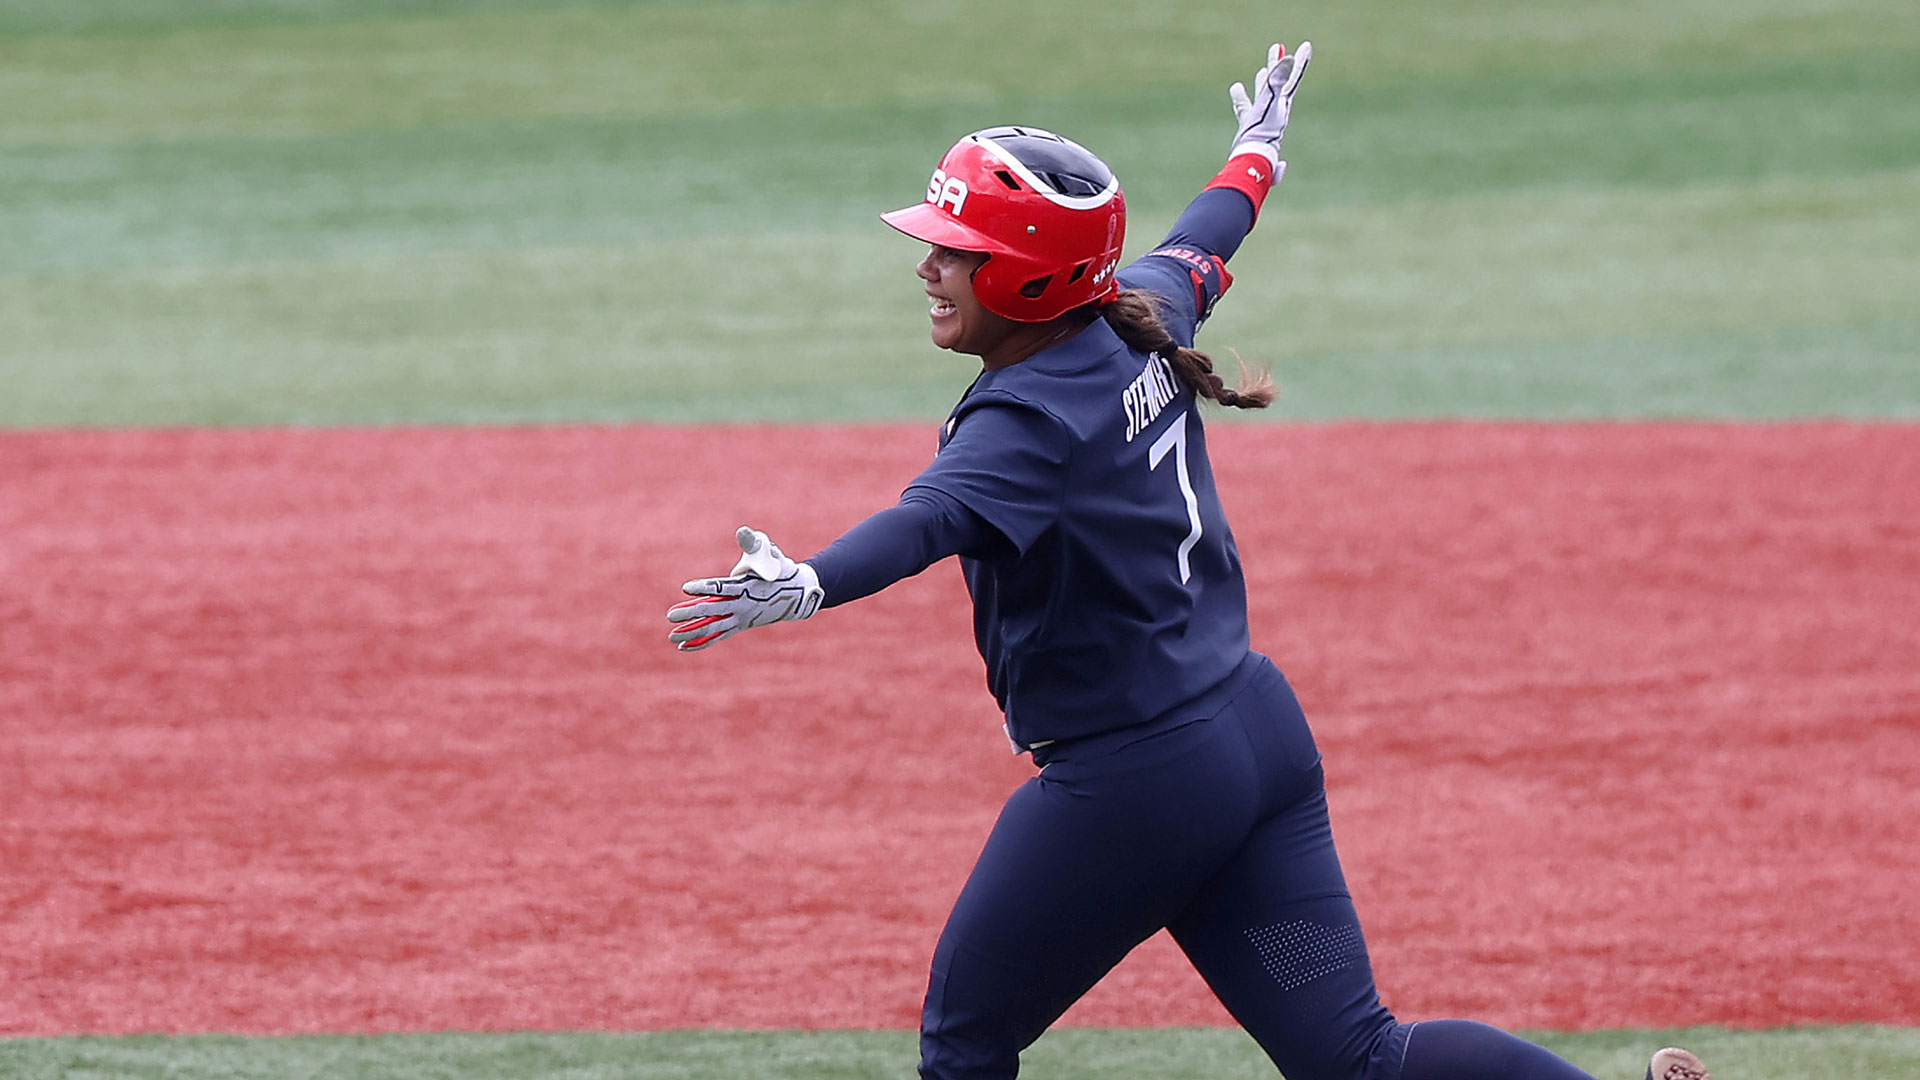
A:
[(960, 322)]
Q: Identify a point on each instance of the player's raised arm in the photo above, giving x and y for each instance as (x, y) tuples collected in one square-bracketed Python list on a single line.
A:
[(1216, 222), (1263, 123), (1168, 292)]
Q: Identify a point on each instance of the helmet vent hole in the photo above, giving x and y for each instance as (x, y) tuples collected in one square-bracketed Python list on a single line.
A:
[(1078, 273), (1070, 185), (1007, 179), (1032, 289)]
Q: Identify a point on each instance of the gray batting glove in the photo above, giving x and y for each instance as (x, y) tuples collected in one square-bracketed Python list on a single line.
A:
[(765, 587), (1263, 118)]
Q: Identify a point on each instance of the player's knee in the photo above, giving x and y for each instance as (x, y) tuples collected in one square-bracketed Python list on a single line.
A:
[(1361, 1049)]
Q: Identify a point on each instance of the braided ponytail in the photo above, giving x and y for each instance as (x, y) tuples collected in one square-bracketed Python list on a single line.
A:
[(1135, 316)]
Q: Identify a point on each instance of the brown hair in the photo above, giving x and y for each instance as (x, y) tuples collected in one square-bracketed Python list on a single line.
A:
[(1135, 316)]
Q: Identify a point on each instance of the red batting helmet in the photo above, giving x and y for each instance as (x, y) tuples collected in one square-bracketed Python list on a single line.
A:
[(1049, 214)]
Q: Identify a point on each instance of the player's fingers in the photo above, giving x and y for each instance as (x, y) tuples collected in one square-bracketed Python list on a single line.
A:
[(686, 629), (696, 602), (1280, 77), (1279, 171), (1300, 59), (704, 608), (714, 586), (1243, 106), (701, 631), (697, 643), (1274, 52), (760, 556)]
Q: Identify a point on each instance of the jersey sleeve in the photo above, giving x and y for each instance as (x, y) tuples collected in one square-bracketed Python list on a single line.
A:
[(1006, 461), (897, 543)]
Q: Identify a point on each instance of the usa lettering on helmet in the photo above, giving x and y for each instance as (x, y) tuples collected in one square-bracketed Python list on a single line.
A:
[(944, 189)]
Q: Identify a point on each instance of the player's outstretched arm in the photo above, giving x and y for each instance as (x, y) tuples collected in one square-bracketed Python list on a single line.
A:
[(765, 587)]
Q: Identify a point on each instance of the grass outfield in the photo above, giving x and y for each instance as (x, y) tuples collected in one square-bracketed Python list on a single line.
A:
[(343, 211), (1855, 1053)]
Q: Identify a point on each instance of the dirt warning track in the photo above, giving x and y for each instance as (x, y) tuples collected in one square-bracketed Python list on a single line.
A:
[(378, 730)]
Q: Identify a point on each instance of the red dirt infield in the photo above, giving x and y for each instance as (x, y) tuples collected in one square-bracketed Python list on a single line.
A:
[(377, 730)]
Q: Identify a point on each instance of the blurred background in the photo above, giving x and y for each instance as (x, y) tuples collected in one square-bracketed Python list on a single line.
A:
[(378, 211)]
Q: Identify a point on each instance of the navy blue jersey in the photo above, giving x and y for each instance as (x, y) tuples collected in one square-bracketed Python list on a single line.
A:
[(1118, 594)]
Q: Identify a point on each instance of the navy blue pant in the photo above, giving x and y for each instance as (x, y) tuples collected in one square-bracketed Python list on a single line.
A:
[(1211, 823)]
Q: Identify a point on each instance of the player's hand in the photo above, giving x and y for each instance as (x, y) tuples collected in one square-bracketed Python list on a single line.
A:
[(1263, 117), (765, 587)]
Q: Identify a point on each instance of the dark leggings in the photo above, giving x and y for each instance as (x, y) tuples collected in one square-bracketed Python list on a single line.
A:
[(1215, 829)]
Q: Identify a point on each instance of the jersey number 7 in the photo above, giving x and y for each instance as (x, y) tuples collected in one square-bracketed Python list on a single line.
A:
[(1175, 439)]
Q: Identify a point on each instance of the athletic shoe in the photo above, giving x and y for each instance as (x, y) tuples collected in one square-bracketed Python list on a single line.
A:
[(1674, 1063)]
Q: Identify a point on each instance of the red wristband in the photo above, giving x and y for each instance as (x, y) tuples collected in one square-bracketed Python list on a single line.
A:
[(1249, 174)]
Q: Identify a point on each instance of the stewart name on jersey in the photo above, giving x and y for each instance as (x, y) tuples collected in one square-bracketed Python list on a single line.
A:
[(1151, 391)]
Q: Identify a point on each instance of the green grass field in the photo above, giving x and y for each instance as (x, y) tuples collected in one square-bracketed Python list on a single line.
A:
[(1068, 1054), (345, 211), (386, 211)]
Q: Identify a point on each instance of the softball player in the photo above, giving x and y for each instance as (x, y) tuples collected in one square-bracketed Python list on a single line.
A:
[(1179, 786)]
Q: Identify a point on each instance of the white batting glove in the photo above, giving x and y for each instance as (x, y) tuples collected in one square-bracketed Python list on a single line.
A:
[(765, 587), (1263, 118)]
